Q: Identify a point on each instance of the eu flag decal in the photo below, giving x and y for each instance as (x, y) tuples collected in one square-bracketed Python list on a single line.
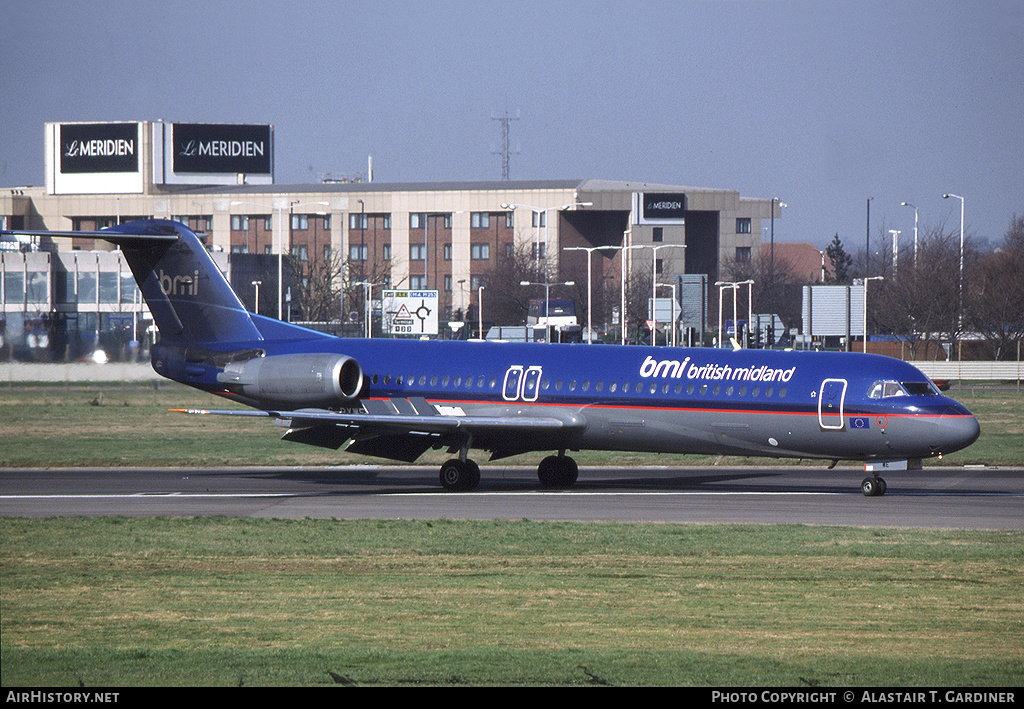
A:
[(860, 422)]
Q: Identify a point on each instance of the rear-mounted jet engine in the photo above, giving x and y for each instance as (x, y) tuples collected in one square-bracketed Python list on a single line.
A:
[(315, 380)]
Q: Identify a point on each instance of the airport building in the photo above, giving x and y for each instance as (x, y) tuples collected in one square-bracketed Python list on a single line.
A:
[(448, 236)]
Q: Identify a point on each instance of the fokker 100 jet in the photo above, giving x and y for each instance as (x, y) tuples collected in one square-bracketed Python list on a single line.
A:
[(397, 399)]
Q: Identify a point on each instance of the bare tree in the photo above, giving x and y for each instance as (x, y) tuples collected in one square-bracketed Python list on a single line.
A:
[(995, 298), (919, 300)]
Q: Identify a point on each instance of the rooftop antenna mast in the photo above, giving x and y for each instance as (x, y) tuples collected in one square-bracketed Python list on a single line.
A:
[(506, 144)]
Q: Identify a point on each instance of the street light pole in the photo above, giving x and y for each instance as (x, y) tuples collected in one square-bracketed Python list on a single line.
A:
[(547, 299), (543, 210), (866, 279), (280, 242), (590, 313), (908, 204), (654, 287), (960, 288)]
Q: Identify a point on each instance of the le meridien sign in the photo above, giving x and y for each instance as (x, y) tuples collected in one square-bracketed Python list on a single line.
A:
[(212, 153), (215, 149), (660, 207), (94, 158), (99, 147)]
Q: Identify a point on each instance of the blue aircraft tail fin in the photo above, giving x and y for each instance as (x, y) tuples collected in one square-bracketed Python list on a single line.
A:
[(191, 301)]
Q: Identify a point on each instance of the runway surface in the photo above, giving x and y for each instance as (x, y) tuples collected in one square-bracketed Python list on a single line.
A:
[(953, 498)]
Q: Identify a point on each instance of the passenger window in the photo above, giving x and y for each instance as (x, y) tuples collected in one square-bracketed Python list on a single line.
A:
[(689, 389), (755, 391), (782, 393)]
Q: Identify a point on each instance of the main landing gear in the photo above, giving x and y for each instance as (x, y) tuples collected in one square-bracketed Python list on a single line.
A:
[(555, 471), (873, 486), (459, 475)]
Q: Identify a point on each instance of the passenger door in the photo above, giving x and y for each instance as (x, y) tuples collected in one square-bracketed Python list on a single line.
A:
[(830, 404)]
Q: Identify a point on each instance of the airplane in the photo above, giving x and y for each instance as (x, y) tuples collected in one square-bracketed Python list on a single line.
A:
[(397, 399)]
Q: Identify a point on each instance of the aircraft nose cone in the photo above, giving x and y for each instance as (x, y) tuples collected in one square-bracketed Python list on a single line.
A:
[(957, 428), (965, 431)]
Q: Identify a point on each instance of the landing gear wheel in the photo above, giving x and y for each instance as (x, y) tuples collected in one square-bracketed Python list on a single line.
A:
[(558, 472), (460, 475), (873, 487)]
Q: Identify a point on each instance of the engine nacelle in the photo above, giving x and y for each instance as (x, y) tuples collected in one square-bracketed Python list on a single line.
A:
[(312, 380)]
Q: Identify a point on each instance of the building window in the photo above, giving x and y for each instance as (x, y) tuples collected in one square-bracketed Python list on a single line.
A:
[(539, 251), (239, 222), (358, 252), (300, 222), (658, 234), (417, 220), (510, 220), (743, 225), (447, 252), (357, 221), (417, 282), (742, 254), (448, 284), (480, 252), (540, 219), (480, 220), (417, 252), (387, 252)]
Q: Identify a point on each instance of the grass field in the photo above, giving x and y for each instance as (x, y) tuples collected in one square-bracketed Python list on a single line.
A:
[(217, 601)]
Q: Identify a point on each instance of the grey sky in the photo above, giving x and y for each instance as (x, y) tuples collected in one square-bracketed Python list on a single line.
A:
[(822, 104)]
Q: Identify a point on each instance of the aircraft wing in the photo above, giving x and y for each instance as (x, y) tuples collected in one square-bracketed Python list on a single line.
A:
[(421, 424), (388, 431)]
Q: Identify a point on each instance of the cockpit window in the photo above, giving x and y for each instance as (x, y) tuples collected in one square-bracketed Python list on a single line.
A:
[(888, 389), (921, 389), (884, 390)]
